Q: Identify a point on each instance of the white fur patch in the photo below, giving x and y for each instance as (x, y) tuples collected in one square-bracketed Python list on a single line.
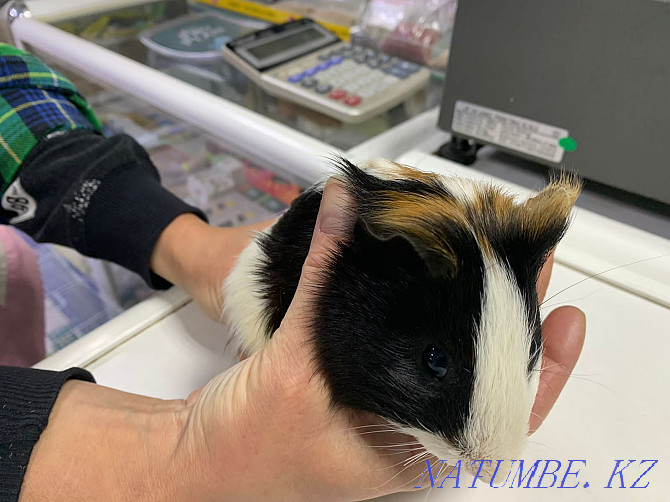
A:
[(503, 394), (432, 443), (383, 169), (464, 189), (243, 305)]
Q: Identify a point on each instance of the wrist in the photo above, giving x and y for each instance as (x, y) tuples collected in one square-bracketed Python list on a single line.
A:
[(104, 443), (175, 254), (197, 257)]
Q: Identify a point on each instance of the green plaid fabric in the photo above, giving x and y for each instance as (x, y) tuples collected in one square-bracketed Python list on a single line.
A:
[(34, 102)]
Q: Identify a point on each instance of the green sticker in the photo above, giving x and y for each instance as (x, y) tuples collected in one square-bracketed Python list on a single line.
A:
[(568, 144)]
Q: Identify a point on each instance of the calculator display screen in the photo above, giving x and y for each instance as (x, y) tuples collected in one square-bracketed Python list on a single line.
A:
[(279, 45)]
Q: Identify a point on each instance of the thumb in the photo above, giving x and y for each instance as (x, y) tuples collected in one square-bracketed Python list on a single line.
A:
[(334, 225)]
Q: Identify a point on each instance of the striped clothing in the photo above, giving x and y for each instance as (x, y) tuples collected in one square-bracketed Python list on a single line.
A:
[(34, 101)]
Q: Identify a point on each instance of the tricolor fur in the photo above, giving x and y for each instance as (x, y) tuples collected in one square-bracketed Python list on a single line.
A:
[(429, 315)]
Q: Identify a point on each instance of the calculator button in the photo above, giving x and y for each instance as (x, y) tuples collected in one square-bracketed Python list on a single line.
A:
[(352, 100), (407, 66), (297, 77), (337, 94), (396, 72), (323, 88), (309, 82)]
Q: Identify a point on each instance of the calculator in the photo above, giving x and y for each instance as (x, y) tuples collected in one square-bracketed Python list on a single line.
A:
[(302, 62)]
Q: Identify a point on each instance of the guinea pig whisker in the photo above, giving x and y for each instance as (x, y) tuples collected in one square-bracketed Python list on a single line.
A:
[(418, 476), (417, 456), (381, 431), (414, 443), (418, 460), (591, 380), (543, 445), (367, 426), (601, 273), (403, 451), (437, 476), (568, 302), (399, 452), (542, 370), (403, 462)]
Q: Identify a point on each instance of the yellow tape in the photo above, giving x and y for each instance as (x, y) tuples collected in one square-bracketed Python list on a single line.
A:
[(272, 15)]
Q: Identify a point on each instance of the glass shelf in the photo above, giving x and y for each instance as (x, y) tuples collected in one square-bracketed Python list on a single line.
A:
[(118, 30)]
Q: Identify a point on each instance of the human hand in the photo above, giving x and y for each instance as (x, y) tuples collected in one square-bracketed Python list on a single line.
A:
[(280, 437), (263, 430), (197, 257)]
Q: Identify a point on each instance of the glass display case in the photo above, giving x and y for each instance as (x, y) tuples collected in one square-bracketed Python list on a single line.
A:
[(219, 141), (82, 293), (120, 30)]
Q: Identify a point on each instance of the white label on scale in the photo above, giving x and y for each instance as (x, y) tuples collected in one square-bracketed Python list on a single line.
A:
[(509, 131)]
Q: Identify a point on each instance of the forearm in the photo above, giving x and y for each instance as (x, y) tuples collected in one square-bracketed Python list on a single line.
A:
[(26, 400), (104, 444)]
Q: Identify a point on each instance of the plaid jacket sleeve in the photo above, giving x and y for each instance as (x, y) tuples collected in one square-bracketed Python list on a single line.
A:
[(63, 182), (35, 101)]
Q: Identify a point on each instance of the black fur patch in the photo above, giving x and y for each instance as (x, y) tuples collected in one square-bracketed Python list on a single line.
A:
[(378, 310), (382, 303)]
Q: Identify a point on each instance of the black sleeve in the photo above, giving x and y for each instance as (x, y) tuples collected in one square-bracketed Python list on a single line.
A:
[(100, 196), (26, 398)]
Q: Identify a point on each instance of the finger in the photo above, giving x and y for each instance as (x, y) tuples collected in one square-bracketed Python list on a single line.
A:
[(334, 224), (563, 334), (545, 275)]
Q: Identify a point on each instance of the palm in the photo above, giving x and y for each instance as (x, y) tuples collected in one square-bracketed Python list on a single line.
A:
[(270, 417)]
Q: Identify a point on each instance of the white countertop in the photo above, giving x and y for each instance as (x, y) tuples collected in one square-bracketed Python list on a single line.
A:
[(615, 405)]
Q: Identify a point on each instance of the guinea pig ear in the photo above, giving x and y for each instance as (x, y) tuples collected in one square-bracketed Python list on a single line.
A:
[(545, 217), (395, 201), (438, 257)]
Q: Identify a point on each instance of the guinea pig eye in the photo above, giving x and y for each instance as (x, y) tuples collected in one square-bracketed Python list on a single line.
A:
[(436, 360)]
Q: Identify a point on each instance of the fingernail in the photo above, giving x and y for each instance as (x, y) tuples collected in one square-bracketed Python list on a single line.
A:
[(332, 213)]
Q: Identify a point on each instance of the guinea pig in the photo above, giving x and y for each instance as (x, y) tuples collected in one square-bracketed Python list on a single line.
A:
[(428, 316)]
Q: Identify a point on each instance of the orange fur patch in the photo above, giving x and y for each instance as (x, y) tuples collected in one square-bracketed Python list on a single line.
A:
[(416, 216)]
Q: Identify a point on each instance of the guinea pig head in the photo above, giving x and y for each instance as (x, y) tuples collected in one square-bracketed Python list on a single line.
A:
[(429, 316)]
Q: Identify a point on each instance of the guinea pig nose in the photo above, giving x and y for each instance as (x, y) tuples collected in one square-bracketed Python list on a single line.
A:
[(436, 360)]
